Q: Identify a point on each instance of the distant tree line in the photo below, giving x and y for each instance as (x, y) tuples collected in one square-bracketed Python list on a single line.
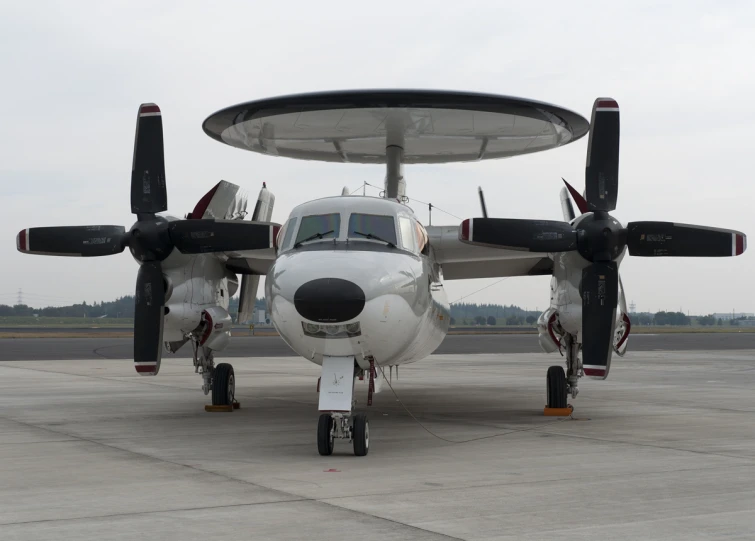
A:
[(122, 307), (491, 314)]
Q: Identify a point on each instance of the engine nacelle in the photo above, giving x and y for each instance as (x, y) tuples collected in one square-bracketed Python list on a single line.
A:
[(546, 323), (217, 328)]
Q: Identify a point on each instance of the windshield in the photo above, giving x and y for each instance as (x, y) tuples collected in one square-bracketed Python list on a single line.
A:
[(319, 226), (373, 226)]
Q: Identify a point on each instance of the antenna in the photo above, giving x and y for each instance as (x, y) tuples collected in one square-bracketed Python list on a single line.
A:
[(482, 202)]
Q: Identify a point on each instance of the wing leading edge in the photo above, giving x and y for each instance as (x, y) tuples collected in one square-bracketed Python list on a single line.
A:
[(461, 261)]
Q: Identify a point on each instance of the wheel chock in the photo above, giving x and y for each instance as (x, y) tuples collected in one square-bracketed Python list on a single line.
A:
[(236, 405), (558, 412), (214, 409)]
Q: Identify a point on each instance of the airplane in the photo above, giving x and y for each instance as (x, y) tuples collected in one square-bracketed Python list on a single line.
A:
[(355, 283)]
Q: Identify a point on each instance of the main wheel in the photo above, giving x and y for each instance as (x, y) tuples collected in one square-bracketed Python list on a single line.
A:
[(556, 387), (223, 385), (361, 434), (325, 439)]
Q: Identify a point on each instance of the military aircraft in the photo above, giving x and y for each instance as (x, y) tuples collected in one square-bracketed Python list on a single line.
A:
[(355, 283)]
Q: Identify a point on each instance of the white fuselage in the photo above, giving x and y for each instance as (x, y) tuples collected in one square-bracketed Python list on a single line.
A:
[(402, 313)]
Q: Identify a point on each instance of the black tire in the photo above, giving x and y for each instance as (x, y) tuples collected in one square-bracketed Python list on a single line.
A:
[(361, 434), (223, 385), (325, 442), (556, 387)]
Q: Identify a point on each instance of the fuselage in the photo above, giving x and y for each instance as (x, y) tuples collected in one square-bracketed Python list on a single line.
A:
[(365, 284)]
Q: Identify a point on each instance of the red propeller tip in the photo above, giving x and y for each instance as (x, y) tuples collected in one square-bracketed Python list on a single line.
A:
[(606, 104), (739, 244), (465, 230), (22, 240), (149, 109), (595, 371)]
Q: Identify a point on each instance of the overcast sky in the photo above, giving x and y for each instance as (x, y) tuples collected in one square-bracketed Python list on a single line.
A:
[(74, 73)]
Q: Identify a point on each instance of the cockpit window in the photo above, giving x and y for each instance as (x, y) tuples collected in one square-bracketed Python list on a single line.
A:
[(319, 226), (373, 226), (407, 234), (288, 234)]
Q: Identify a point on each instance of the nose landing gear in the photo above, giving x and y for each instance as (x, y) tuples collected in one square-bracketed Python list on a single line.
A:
[(337, 425), (336, 404)]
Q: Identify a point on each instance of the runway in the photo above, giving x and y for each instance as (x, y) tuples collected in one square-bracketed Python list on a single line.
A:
[(273, 346), (662, 450)]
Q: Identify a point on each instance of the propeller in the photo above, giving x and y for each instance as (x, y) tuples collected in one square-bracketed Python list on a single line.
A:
[(150, 240), (600, 239)]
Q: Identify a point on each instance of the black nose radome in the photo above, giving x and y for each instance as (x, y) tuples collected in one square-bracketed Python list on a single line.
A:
[(329, 300)]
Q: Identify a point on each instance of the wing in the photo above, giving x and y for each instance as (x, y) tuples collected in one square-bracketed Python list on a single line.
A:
[(461, 261)]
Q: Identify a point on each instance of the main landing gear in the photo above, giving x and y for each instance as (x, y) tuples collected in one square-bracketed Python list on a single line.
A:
[(560, 384), (220, 379)]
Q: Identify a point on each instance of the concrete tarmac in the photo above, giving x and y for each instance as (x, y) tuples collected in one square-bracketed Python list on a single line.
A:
[(273, 346), (662, 450)]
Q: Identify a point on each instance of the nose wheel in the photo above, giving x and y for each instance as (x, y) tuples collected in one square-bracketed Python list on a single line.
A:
[(332, 426), (325, 435)]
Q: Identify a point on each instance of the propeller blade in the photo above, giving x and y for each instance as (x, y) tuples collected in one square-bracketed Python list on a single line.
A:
[(600, 288), (528, 235), (203, 236), (148, 191), (482, 202), (578, 198), (659, 239), (75, 241), (602, 171), (566, 207), (148, 318)]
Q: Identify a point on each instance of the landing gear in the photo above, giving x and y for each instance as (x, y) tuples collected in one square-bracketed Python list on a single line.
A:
[(573, 365), (336, 404), (361, 434), (332, 426), (223, 385), (325, 435), (556, 387)]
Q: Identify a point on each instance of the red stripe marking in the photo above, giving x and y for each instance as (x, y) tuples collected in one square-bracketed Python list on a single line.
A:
[(465, 230), (22, 240), (740, 244), (595, 371), (276, 230), (208, 330), (628, 324), (149, 108), (203, 203), (146, 368), (578, 199), (607, 104)]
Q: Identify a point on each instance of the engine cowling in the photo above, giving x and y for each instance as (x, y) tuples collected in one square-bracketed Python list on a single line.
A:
[(546, 325), (217, 328)]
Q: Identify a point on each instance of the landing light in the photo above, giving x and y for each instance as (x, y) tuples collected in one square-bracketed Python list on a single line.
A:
[(314, 330)]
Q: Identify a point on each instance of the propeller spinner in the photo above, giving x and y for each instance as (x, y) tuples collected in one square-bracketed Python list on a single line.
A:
[(600, 239), (150, 240)]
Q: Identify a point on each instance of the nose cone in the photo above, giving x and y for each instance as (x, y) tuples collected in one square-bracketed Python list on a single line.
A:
[(329, 300)]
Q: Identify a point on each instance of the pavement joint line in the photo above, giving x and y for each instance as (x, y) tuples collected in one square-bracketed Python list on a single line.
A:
[(633, 523), (542, 481), (141, 513), (666, 447), (290, 496)]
